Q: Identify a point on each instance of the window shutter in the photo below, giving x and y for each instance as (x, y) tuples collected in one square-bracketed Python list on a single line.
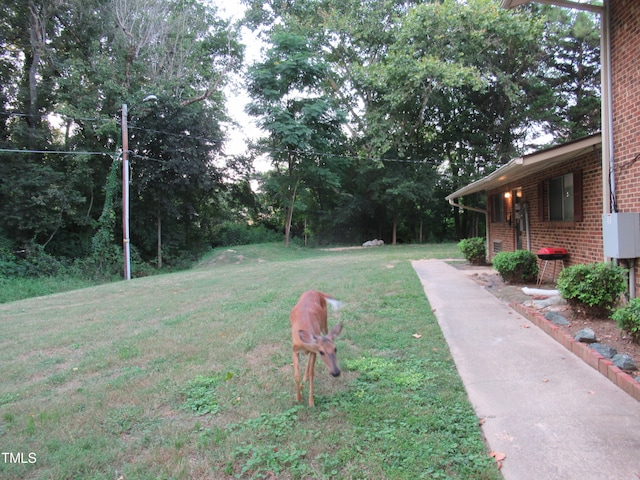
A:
[(491, 209), (541, 202), (578, 214)]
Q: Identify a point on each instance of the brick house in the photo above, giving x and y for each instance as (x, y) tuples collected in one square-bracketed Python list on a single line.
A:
[(583, 196)]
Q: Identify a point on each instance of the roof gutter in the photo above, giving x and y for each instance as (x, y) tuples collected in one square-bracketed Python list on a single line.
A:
[(560, 3), (465, 207)]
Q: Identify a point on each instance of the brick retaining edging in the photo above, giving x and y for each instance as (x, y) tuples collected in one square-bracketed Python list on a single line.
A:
[(581, 350)]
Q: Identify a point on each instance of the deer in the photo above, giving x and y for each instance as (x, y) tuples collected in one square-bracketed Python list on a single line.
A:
[(309, 333)]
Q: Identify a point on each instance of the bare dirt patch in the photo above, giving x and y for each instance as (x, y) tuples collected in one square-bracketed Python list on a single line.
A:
[(606, 330)]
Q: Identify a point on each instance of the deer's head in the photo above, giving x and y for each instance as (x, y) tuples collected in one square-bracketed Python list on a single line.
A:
[(324, 346)]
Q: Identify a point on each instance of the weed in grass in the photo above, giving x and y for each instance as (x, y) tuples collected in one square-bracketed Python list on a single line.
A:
[(30, 429), (123, 420), (200, 394), (211, 436), (265, 460), (59, 378), (272, 425), (127, 352), (8, 398), (371, 367)]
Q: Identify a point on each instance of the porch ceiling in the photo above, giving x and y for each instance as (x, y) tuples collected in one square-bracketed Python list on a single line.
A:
[(527, 165), (589, 5)]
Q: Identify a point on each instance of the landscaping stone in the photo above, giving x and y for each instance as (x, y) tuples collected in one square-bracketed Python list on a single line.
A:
[(556, 318), (373, 243), (547, 302), (604, 350), (586, 335), (624, 362)]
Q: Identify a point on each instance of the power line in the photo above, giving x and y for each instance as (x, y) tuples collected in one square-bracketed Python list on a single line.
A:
[(206, 139), (425, 161), (57, 152), (45, 115)]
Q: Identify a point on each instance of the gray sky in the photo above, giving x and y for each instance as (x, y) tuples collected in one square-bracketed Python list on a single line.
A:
[(237, 97)]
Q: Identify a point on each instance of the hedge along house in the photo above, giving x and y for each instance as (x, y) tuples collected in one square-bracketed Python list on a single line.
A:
[(583, 196)]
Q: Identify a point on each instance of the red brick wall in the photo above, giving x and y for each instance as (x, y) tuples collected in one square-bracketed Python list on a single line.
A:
[(625, 89), (583, 240)]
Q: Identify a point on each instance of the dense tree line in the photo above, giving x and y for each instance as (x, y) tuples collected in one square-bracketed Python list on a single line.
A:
[(434, 94), (372, 111), (67, 69)]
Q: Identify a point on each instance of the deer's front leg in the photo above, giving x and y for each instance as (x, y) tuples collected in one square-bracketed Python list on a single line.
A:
[(310, 361), (309, 375), (296, 375)]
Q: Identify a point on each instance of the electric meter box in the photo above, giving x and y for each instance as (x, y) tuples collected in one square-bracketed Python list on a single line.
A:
[(621, 234)]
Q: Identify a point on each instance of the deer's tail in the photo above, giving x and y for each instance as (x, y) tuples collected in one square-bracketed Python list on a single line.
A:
[(336, 304)]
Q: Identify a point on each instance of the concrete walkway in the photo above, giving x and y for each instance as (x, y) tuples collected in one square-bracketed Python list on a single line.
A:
[(553, 416)]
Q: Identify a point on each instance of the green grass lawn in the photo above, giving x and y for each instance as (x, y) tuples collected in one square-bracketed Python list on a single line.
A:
[(188, 376)]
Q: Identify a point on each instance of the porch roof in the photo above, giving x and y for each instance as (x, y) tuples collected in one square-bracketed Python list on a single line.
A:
[(522, 167), (590, 5)]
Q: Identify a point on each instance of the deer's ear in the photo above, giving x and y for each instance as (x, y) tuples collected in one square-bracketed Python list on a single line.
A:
[(335, 331), (307, 337)]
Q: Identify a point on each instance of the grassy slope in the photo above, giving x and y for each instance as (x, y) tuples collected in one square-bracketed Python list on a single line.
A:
[(113, 380)]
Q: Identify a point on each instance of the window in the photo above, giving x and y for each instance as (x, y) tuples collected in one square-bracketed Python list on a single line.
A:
[(497, 209), (560, 198)]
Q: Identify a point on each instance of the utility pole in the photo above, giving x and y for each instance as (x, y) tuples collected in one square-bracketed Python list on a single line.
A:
[(125, 195), (126, 243)]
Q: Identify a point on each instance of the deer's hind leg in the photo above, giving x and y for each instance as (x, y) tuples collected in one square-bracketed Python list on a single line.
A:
[(296, 375)]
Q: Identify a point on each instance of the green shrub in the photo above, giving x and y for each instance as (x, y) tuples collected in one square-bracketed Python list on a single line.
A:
[(33, 262), (231, 234), (628, 318), (593, 289), (474, 250), (520, 266)]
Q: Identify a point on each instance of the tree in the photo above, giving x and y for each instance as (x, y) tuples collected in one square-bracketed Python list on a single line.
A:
[(461, 81), (302, 124), (175, 183), (574, 70), (37, 198)]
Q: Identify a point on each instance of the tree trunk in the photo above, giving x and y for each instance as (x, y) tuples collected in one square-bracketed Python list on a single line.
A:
[(289, 219), (395, 229), (287, 225), (305, 231), (159, 241), (36, 40)]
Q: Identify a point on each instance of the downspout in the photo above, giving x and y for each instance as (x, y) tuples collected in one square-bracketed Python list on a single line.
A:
[(608, 174), (632, 278), (525, 207), (486, 220)]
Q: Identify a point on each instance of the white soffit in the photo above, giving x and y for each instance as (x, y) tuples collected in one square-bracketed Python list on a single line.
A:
[(588, 5)]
